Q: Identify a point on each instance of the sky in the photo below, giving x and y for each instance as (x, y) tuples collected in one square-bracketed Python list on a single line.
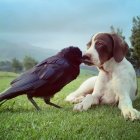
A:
[(57, 24)]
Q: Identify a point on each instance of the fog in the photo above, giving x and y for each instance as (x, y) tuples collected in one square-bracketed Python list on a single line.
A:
[(57, 24)]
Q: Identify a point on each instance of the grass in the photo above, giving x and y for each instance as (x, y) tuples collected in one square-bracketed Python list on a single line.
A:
[(20, 121)]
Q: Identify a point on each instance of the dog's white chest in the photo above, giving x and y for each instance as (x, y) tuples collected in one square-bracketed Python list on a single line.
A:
[(107, 95)]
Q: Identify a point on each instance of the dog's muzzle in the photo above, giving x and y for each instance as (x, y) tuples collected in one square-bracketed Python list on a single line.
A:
[(86, 59)]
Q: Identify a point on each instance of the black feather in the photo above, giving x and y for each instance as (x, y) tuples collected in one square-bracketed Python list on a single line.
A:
[(47, 77)]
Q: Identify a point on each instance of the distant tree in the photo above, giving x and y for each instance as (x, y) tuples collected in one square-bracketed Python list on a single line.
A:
[(5, 65), (135, 41), (120, 33), (17, 65), (29, 62), (117, 31)]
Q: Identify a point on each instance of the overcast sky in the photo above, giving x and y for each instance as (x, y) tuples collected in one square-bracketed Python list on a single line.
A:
[(60, 23)]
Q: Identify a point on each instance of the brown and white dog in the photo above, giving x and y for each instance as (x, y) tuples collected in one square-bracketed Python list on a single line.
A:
[(116, 82)]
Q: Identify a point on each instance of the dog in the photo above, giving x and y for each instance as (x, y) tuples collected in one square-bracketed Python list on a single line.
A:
[(116, 82), (46, 78)]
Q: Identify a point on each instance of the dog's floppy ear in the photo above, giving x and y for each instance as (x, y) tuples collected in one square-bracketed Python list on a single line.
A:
[(120, 48)]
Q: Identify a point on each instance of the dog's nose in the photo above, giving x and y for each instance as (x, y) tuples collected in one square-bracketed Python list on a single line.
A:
[(87, 59), (86, 56)]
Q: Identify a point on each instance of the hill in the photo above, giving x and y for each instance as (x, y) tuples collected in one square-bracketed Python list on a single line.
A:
[(9, 50)]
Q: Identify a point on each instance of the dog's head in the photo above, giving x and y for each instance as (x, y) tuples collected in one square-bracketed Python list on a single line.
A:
[(72, 54), (104, 46)]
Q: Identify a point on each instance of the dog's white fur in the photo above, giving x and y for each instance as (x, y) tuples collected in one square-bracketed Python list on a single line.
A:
[(115, 84)]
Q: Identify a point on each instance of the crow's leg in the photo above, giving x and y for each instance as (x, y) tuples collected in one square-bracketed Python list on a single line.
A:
[(34, 103), (47, 101)]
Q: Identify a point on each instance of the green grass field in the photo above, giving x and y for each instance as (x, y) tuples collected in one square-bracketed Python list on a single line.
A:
[(20, 121)]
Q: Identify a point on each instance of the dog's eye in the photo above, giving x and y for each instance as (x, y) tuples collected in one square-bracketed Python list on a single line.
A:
[(99, 44)]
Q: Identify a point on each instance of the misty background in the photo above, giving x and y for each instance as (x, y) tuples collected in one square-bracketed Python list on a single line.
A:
[(40, 28)]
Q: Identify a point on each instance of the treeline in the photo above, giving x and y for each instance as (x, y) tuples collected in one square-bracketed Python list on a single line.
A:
[(18, 66), (133, 54)]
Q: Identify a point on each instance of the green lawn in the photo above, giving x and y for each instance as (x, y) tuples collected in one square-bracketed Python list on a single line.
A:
[(20, 121)]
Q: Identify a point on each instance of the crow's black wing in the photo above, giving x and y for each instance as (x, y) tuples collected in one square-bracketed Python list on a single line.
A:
[(25, 74), (36, 69), (50, 60), (53, 71), (25, 83), (40, 75)]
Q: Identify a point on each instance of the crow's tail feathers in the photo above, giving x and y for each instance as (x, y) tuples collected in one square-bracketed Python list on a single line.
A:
[(3, 96), (7, 94)]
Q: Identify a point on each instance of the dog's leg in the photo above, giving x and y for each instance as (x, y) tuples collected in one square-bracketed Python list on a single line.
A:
[(85, 88), (88, 101), (125, 105)]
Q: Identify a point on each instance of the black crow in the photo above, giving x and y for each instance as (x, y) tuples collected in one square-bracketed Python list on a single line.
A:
[(46, 78)]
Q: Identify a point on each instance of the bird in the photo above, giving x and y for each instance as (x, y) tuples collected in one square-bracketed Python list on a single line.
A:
[(46, 78)]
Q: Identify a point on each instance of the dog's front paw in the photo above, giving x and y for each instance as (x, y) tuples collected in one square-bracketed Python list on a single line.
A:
[(70, 98), (85, 104), (131, 113), (78, 99), (78, 107), (73, 99)]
